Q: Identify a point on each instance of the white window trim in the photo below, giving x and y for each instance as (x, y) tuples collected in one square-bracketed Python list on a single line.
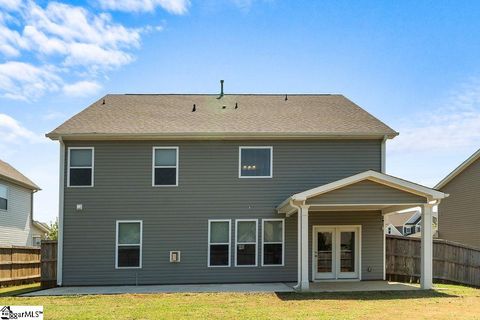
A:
[(121, 245), (255, 243), (8, 197), (69, 167), (154, 166), (220, 243), (276, 242), (240, 162)]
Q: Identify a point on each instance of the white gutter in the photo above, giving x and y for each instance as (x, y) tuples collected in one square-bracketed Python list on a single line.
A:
[(60, 214)]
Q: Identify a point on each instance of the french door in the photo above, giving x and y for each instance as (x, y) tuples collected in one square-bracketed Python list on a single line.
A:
[(336, 252)]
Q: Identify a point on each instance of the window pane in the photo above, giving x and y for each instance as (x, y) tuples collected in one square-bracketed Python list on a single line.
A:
[(80, 177), (80, 158), (165, 157), (3, 192), (273, 231), (255, 162), (219, 255), (246, 231), (165, 176), (129, 233), (3, 204), (245, 254), (219, 232), (272, 254), (325, 252), (347, 251), (129, 256)]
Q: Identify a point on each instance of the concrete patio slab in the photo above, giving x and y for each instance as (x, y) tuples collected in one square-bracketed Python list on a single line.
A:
[(357, 286), (326, 286), (197, 288)]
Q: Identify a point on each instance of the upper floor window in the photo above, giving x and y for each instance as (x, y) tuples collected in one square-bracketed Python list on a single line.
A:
[(3, 197), (255, 162), (80, 167), (165, 166)]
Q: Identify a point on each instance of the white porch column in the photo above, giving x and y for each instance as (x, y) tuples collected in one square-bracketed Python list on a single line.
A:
[(304, 284), (426, 277)]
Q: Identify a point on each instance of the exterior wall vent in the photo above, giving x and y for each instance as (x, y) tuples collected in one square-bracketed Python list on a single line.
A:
[(174, 256)]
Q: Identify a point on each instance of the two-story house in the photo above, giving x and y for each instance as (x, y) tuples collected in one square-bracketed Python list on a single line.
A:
[(203, 188), (459, 215), (17, 226), (408, 223)]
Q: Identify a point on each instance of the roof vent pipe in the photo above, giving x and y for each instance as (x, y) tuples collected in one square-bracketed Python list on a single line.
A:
[(221, 89)]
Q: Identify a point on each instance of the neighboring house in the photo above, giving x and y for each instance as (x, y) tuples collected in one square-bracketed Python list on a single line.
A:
[(459, 214), (192, 188), (407, 223), (17, 226), (392, 230), (40, 232)]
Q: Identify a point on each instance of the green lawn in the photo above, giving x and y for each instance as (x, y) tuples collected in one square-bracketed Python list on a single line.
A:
[(449, 302)]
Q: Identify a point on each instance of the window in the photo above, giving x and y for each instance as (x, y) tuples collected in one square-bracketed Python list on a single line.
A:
[(219, 243), (273, 242), (165, 166), (255, 162), (80, 167), (389, 230), (37, 241), (246, 242), (129, 244), (3, 197)]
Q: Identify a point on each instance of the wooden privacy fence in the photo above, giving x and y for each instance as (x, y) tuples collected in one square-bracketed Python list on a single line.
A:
[(452, 262), (19, 265), (49, 263)]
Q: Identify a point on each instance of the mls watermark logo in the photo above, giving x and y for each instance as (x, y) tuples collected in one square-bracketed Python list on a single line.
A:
[(21, 312)]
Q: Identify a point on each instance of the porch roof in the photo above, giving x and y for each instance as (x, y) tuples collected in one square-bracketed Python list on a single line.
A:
[(318, 199)]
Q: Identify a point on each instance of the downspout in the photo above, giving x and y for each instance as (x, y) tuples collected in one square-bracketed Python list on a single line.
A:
[(60, 213)]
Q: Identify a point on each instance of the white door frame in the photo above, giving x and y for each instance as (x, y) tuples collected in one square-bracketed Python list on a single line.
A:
[(336, 243)]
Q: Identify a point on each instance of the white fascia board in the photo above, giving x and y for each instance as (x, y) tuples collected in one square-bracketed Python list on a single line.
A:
[(374, 176), (458, 170)]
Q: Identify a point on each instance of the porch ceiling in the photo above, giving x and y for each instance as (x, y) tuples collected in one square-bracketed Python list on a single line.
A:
[(369, 190)]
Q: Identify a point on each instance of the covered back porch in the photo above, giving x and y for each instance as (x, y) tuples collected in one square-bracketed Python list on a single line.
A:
[(340, 227)]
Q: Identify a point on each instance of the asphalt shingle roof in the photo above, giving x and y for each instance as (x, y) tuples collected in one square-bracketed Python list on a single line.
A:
[(10, 173), (230, 115)]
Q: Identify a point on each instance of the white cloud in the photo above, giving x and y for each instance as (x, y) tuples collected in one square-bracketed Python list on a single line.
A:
[(455, 125), (81, 88), (77, 41), (23, 81), (10, 4), (172, 6), (12, 131)]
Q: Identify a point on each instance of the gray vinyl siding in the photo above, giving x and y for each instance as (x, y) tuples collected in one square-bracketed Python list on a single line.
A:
[(372, 237), (367, 192), (176, 218), (15, 223), (459, 214)]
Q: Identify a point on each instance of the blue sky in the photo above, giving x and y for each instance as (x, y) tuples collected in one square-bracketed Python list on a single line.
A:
[(413, 64)]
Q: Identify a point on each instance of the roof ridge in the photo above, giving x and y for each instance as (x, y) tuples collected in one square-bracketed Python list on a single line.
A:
[(227, 94)]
